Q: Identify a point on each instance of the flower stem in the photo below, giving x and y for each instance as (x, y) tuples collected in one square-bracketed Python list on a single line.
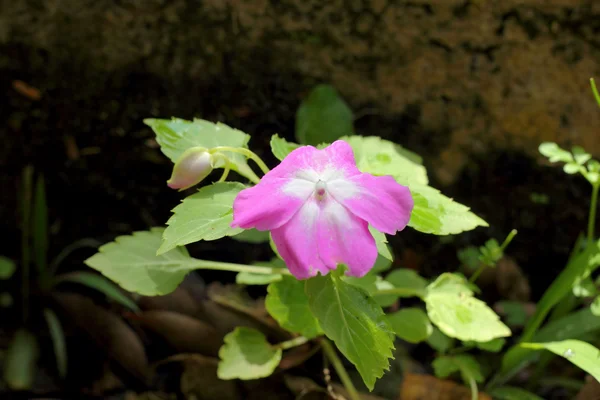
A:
[(339, 368), (592, 217), (248, 153), (288, 344), (255, 269)]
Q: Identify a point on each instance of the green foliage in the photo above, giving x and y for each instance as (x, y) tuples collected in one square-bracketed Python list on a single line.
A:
[(512, 393), (439, 215), (440, 342), (453, 309), (281, 148), (353, 320), (381, 243), (102, 285), (40, 227), (468, 367), (252, 236), (177, 135), (576, 161), (582, 354), (493, 346), (323, 117), (252, 278), (59, 342), (131, 261), (287, 303), (20, 360), (7, 267), (246, 354), (411, 324), (205, 215), (407, 283)]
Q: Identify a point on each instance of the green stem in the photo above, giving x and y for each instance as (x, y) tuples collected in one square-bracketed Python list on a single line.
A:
[(339, 368), (592, 218), (25, 236), (255, 269), (288, 344), (225, 173), (595, 91), (478, 272), (248, 153)]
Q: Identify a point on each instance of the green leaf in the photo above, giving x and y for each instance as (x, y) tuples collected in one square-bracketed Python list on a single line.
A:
[(555, 153), (287, 303), (281, 148), (407, 282), (571, 168), (439, 215), (40, 227), (246, 354), (469, 257), (514, 312), (381, 243), (382, 264), (102, 285), (452, 308), (493, 346), (20, 360), (59, 342), (323, 117), (7, 267), (252, 278), (411, 324), (177, 135), (595, 306), (356, 324), (252, 236), (582, 354), (373, 284), (439, 341), (512, 393), (131, 261), (206, 215), (382, 157), (580, 155), (466, 364)]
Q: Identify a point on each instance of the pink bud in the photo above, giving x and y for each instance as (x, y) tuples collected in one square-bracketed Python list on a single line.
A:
[(193, 166)]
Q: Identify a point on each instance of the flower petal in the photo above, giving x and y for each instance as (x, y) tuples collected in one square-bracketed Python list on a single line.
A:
[(379, 200), (296, 242), (278, 195), (344, 238)]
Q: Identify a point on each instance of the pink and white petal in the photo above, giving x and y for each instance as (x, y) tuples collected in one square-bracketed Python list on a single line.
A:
[(341, 155), (270, 204), (344, 238), (296, 242), (298, 160), (379, 200)]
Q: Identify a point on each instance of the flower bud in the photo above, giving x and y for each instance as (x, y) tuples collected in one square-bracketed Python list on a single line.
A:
[(193, 166)]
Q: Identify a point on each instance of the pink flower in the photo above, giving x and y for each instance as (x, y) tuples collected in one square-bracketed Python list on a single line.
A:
[(318, 207)]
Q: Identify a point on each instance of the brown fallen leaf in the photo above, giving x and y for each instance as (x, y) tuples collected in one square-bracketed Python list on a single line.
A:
[(427, 387), (199, 379), (306, 389), (589, 391), (27, 90), (182, 332), (110, 333)]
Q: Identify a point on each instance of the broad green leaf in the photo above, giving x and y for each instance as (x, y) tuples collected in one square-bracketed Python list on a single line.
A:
[(252, 278), (246, 354), (177, 135), (353, 320), (281, 148), (59, 342), (452, 308), (439, 215), (375, 286), (411, 324), (381, 243), (382, 264), (573, 326), (595, 306), (287, 303), (252, 236), (582, 354), (555, 153), (382, 157), (102, 285), (40, 227), (408, 283), (465, 364), (469, 257), (20, 360), (440, 342), (580, 155), (492, 346), (512, 393), (131, 261), (514, 312), (323, 117), (205, 215), (7, 267)]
